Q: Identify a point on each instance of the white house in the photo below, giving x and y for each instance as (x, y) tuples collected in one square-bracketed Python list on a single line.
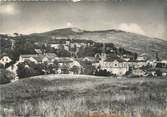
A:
[(142, 57), (5, 59), (164, 61), (56, 46), (29, 57)]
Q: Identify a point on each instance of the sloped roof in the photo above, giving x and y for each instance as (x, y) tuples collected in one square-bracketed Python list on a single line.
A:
[(51, 55), (111, 59), (90, 58), (38, 51), (28, 55), (40, 57), (64, 59)]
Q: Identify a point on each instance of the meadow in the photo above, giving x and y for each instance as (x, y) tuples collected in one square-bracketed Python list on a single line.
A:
[(84, 96)]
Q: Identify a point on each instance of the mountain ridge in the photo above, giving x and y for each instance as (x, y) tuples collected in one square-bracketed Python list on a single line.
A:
[(93, 31), (130, 41)]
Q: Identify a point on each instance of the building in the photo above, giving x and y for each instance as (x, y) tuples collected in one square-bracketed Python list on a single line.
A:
[(138, 72), (75, 67), (42, 58), (164, 61), (28, 57), (90, 59), (142, 57), (38, 51), (115, 66), (64, 64), (5, 59), (137, 64), (55, 46)]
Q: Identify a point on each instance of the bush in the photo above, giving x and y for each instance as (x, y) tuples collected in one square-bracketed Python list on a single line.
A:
[(159, 73), (28, 69), (5, 76), (102, 73), (2, 66)]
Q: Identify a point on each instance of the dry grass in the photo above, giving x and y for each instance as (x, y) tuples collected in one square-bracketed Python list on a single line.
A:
[(84, 97)]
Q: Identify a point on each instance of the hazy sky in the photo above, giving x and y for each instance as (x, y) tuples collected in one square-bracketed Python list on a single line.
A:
[(147, 17)]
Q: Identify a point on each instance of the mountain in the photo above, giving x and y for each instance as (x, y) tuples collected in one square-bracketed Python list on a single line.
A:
[(130, 41)]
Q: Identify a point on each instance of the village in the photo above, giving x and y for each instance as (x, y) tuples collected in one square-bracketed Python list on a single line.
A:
[(67, 56)]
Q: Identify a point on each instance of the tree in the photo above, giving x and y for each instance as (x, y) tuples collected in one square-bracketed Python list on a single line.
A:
[(159, 73), (63, 53), (2, 66), (75, 69), (6, 76), (88, 68), (16, 34), (27, 69), (65, 69), (102, 73), (159, 65)]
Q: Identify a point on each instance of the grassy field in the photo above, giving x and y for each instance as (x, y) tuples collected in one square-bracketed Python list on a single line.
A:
[(84, 96)]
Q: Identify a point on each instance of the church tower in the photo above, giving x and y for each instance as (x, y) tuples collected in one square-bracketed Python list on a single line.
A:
[(103, 54)]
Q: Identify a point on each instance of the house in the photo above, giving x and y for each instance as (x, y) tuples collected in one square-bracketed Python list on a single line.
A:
[(5, 59), (66, 47), (55, 46), (153, 63), (42, 58), (38, 51), (142, 57), (49, 58), (64, 64), (75, 67), (90, 59), (164, 61), (127, 57), (115, 66), (138, 72), (136, 64), (29, 57)]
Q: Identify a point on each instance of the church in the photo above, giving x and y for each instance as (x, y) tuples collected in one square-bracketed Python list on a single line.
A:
[(114, 65)]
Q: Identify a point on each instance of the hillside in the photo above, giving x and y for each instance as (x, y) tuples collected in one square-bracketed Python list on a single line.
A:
[(130, 41), (49, 95)]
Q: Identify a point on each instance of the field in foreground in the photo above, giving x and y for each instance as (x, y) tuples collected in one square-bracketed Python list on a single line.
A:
[(84, 96)]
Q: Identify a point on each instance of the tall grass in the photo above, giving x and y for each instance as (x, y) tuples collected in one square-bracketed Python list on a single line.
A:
[(84, 98), (69, 108)]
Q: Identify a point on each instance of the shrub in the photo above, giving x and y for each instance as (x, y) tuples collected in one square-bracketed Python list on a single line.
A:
[(28, 71), (102, 73), (5, 76), (1, 66)]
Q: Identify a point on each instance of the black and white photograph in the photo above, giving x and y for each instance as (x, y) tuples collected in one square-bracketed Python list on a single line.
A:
[(83, 58)]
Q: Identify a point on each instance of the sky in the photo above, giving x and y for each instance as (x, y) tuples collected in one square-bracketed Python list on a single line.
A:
[(146, 17)]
